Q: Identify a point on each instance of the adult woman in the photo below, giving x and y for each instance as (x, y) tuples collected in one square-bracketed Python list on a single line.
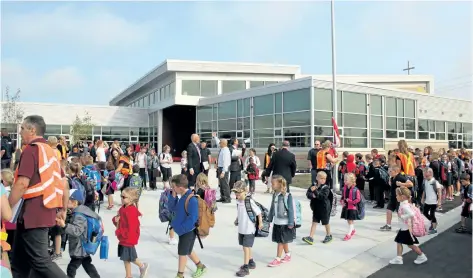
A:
[(325, 161), (52, 142), (62, 147), (125, 166), (112, 164), (267, 159), (153, 169), (100, 151), (405, 159), (165, 159)]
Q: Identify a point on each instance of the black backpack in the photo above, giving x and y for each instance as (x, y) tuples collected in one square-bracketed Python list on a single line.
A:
[(264, 232)]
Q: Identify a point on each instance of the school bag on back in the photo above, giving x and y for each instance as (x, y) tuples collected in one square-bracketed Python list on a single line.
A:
[(264, 232), (418, 225), (94, 234), (383, 174), (76, 183), (297, 211), (206, 217), (165, 214), (135, 182), (211, 199), (360, 207)]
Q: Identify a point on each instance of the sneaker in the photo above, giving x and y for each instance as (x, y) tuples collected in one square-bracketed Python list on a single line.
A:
[(385, 228), (286, 259), (251, 264), (243, 271), (461, 229), (275, 263), (439, 209), (200, 271), (431, 228), (327, 239), (421, 259), (144, 270), (347, 237), (397, 260), (172, 241), (433, 231), (353, 232), (456, 194), (308, 240), (55, 257)]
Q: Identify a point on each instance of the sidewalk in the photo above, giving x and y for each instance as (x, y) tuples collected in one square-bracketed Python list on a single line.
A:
[(368, 251)]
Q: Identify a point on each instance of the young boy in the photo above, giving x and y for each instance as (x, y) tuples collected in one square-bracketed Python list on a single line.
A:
[(246, 227), (320, 204), (467, 195), (342, 169), (136, 180), (77, 229), (253, 174)]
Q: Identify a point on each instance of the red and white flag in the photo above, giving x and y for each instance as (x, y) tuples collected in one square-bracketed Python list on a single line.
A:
[(336, 134)]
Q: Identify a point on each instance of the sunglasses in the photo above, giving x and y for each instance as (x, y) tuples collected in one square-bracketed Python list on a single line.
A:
[(124, 197)]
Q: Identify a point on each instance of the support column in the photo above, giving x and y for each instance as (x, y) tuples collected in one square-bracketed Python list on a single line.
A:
[(159, 126)]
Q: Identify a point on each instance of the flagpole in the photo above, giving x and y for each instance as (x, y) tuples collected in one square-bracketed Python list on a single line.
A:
[(336, 185)]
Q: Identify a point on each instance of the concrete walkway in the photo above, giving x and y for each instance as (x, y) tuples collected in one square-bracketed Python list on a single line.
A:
[(368, 251)]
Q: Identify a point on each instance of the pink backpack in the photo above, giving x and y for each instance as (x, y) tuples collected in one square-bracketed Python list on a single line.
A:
[(418, 225), (211, 199)]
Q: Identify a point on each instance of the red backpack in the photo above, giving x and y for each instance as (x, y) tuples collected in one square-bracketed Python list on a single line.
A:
[(443, 172), (254, 173)]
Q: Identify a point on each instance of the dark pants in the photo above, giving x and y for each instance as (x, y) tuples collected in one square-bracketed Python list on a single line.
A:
[(11, 240), (191, 178), (429, 212), (86, 263), (6, 163), (32, 256), (371, 188), (224, 185), (234, 177), (379, 195), (252, 185), (143, 177), (152, 179)]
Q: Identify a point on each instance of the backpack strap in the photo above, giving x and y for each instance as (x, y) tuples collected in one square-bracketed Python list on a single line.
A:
[(249, 209), (186, 204)]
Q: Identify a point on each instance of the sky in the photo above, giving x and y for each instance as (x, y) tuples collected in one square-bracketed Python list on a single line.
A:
[(88, 52)]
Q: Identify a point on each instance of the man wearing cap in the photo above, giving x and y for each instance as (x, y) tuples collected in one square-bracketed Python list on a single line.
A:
[(283, 163)]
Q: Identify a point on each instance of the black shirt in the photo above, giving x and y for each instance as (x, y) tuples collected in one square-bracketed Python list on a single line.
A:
[(312, 156), (7, 147), (401, 178), (204, 154)]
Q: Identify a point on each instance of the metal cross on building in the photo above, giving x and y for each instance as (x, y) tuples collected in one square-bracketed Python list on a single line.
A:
[(409, 68)]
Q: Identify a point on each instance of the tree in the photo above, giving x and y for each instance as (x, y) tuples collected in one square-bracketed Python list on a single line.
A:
[(11, 112), (81, 128)]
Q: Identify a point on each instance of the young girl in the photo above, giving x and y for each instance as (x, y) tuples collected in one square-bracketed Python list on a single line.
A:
[(201, 184), (7, 181), (282, 212), (350, 197), (183, 162), (128, 231), (165, 161), (111, 184), (405, 236)]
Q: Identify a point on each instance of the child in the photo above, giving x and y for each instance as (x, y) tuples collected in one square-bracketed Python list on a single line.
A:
[(136, 181), (342, 168), (101, 167), (282, 212), (350, 198), (320, 204), (7, 181), (201, 184), (467, 196), (110, 189), (184, 162), (128, 231), (405, 236), (76, 229), (431, 198), (253, 174), (246, 227)]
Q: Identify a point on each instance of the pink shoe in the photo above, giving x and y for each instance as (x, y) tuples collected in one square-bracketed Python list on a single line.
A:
[(347, 237), (353, 233), (274, 263), (286, 259)]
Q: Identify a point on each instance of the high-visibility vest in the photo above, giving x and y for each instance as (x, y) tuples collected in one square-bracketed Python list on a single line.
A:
[(322, 160), (3, 239), (63, 151), (58, 155), (127, 171), (407, 162), (51, 186)]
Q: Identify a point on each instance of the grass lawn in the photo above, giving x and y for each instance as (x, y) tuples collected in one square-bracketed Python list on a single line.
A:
[(301, 181)]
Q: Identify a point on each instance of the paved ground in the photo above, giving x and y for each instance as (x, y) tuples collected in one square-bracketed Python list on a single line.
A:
[(449, 256), (369, 251)]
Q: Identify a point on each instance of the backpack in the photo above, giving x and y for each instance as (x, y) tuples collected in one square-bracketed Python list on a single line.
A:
[(264, 232), (360, 170), (297, 211), (210, 198), (253, 172), (360, 207), (93, 177), (94, 234), (165, 214), (206, 217), (383, 174), (443, 172), (334, 202), (76, 183), (418, 225), (135, 182), (455, 169)]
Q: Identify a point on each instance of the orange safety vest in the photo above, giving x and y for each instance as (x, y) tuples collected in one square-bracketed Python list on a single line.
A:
[(51, 186), (322, 160), (127, 171), (407, 162), (58, 155), (268, 159)]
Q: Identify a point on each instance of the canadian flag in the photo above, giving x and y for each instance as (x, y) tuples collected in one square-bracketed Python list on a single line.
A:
[(336, 134)]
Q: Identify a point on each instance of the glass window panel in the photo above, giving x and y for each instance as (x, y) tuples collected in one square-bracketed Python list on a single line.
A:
[(298, 100), (339, 100), (431, 126), (278, 120), (227, 124), (377, 143), (263, 122), (263, 132), (278, 102), (423, 135), (354, 120), (227, 134), (53, 129), (296, 119), (391, 106), (254, 84), (323, 99), (452, 136), (391, 133), (423, 125), (377, 122), (263, 105), (134, 131), (66, 129), (264, 142), (240, 124), (172, 88), (229, 86), (106, 130), (467, 144), (148, 100), (440, 126), (354, 132), (355, 142), (205, 127), (204, 113), (410, 135), (208, 88), (400, 124), (467, 128), (410, 124), (297, 131), (451, 127), (376, 133), (167, 92), (227, 110), (191, 87), (243, 107), (354, 102), (409, 109), (120, 131), (323, 119), (246, 123), (323, 131), (458, 127), (299, 142), (376, 105), (438, 136), (400, 107), (270, 82)]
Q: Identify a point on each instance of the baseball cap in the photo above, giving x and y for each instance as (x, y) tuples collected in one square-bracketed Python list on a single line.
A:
[(239, 187), (76, 195)]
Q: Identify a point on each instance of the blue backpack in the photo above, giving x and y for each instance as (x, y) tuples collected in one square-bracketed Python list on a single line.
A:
[(297, 212), (93, 176), (165, 214), (94, 234), (360, 207), (76, 183)]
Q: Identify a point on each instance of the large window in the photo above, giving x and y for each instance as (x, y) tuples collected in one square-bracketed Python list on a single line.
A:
[(263, 120), (400, 118), (459, 135), (229, 86), (431, 130), (296, 100), (227, 110), (354, 120), (203, 88), (323, 104), (263, 105), (376, 121), (295, 118)]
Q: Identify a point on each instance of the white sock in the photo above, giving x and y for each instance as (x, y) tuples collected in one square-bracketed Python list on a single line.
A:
[(350, 229), (278, 259), (288, 254)]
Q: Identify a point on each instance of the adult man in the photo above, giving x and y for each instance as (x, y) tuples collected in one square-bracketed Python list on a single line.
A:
[(42, 198), (283, 163), (312, 157), (7, 149), (223, 174), (194, 159), (237, 165), (206, 157)]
